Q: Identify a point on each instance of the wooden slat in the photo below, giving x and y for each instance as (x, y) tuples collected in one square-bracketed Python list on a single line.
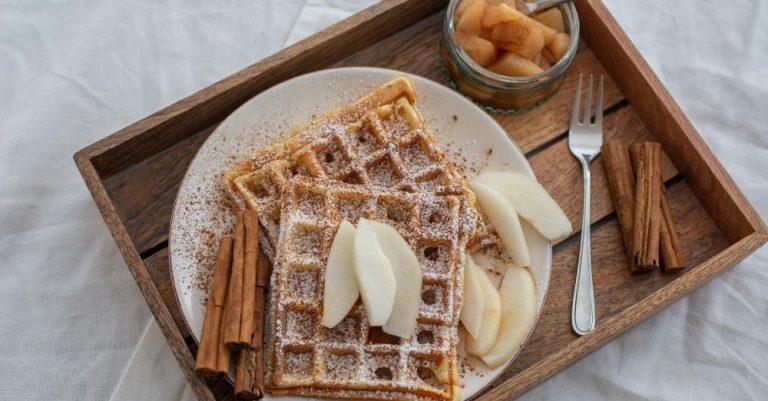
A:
[(155, 183), (616, 289), (536, 128), (159, 270), (223, 390), (655, 106)]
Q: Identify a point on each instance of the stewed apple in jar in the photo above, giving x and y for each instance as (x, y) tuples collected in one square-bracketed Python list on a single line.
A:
[(503, 58)]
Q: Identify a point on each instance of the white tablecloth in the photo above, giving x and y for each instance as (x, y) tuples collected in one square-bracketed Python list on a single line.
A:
[(72, 72)]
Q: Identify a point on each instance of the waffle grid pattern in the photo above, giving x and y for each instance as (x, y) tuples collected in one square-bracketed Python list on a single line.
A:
[(353, 360)]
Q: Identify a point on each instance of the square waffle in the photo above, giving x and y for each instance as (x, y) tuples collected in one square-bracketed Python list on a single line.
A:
[(388, 147), (399, 87), (353, 360)]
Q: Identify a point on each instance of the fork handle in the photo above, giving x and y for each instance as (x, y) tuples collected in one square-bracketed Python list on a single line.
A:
[(583, 309)]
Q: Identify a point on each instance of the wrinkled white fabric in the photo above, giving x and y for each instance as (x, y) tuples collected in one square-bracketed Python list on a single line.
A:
[(152, 372), (320, 14), (72, 72)]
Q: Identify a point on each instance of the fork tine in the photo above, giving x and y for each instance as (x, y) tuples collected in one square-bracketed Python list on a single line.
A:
[(599, 111), (576, 105), (588, 106)]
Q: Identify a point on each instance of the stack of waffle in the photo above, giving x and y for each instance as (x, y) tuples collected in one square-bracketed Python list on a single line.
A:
[(375, 159)]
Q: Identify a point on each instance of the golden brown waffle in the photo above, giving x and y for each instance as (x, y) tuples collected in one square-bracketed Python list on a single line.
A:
[(388, 147), (352, 360), (398, 87)]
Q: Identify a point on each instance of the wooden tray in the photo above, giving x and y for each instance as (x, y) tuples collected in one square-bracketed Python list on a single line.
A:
[(134, 175)]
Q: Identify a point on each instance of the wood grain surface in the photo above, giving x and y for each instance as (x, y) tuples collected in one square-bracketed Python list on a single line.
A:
[(655, 106), (134, 175)]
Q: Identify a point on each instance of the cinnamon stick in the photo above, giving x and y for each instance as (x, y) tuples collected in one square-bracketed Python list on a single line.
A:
[(621, 181), (669, 244), (646, 160), (246, 375), (251, 224), (207, 360), (234, 306), (262, 282), (249, 370), (262, 275), (224, 354)]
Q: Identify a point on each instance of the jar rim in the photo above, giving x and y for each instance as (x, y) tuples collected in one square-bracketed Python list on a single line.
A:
[(491, 78)]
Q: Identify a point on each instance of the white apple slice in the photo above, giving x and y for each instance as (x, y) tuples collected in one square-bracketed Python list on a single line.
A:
[(474, 300), (489, 328), (518, 315), (504, 219), (532, 202), (341, 289), (374, 275), (405, 266)]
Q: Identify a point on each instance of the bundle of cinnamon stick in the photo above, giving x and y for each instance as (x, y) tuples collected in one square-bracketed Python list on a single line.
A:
[(234, 315), (639, 194)]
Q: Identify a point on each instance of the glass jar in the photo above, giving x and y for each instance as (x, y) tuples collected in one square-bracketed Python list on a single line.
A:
[(501, 93)]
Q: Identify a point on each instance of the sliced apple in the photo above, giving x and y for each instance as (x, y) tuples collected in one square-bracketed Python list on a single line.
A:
[(374, 275), (498, 14), (489, 328), (463, 5), (522, 36), (531, 201), (405, 266), (552, 18), (478, 49), (513, 65), (559, 45), (471, 19), (504, 219), (518, 315), (549, 33), (474, 300), (341, 289)]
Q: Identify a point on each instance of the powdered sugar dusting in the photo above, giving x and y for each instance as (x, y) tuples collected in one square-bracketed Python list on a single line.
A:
[(382, 361)]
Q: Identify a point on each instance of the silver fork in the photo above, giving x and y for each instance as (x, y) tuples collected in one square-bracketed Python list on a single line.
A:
[(584, 141)]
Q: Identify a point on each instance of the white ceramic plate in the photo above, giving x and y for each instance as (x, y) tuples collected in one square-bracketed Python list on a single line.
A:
[(199, 217)]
